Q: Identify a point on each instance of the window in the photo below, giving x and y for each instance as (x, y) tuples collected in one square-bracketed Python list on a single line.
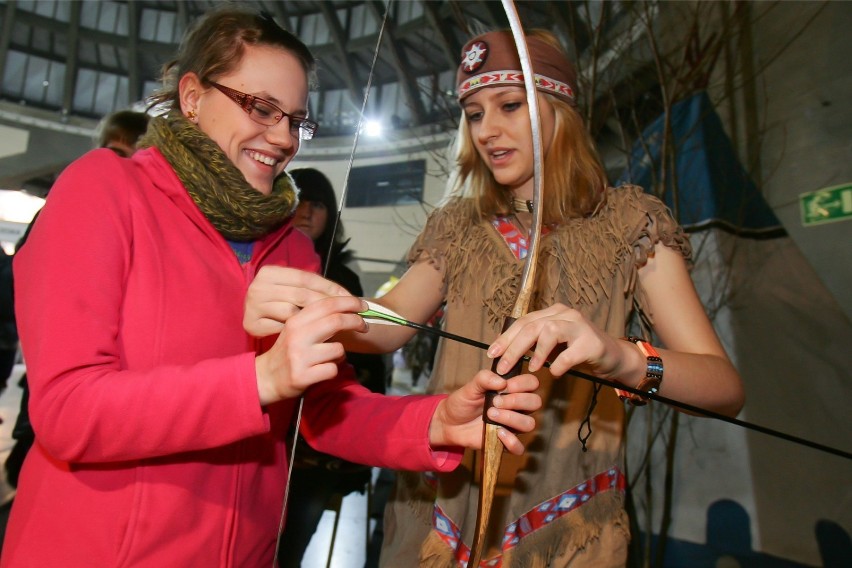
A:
[(399, 183)]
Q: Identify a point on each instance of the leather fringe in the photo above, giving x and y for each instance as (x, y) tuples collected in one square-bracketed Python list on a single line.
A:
[(578, 259)]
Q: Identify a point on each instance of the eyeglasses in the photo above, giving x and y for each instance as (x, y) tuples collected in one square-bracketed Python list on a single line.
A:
[(264, 112)]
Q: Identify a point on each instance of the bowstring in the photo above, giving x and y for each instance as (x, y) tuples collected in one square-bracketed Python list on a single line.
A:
[(345, 189), (341, 202)]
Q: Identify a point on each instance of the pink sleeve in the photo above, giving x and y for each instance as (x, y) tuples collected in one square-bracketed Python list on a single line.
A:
[(345, 419)]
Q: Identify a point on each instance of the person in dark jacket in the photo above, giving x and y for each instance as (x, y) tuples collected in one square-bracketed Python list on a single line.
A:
[(318, 477), (8, 330)]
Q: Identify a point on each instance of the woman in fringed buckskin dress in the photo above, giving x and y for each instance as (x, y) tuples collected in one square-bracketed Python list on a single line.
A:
[(606, 255)]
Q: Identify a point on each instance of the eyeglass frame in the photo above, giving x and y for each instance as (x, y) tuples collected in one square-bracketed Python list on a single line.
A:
[(307, 128)]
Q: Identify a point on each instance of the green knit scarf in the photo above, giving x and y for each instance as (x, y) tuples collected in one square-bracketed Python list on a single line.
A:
[(237, 210)]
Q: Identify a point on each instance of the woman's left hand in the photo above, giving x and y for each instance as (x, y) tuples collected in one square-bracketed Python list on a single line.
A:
[(458, 418), (698, 371)]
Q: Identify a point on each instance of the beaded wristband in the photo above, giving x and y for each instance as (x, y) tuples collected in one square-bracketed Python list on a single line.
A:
[(653, 374)]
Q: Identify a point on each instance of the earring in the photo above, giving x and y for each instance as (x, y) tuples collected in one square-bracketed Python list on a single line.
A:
[(192, 116)]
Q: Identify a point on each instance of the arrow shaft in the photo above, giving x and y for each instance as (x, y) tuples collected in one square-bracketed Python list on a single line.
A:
[(613, 384)]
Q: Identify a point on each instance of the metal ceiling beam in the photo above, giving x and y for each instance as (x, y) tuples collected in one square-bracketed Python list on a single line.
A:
[(425, 46), (340, 42), (182, 15), (6, 35), (494, 14), (72, 62), (279, 10), (407, 82), (134, 78), (448, 44), (163, 50)]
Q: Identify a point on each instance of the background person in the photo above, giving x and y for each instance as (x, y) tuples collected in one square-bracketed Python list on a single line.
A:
[(121, 130), (317, 476), (315, 216)]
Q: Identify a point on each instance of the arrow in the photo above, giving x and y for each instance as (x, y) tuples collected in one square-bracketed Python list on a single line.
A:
[(381, 315)]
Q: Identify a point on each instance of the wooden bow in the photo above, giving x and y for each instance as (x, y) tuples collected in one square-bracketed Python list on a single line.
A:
[(492, 448)]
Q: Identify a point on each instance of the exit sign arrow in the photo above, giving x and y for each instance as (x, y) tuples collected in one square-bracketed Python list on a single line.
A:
[(826, 205)]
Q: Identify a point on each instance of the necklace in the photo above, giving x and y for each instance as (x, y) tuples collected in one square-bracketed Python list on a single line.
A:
[(522, 205)]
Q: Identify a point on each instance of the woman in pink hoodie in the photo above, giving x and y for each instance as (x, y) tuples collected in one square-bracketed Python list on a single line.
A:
[(160, 423)]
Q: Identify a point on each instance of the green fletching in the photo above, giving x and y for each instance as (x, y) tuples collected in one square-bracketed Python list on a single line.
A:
[(379, 315)]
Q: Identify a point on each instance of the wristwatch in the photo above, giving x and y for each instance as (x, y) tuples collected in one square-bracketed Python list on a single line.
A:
[(653, 374)]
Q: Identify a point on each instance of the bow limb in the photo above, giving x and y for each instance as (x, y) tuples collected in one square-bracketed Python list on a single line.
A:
[(492, 448)]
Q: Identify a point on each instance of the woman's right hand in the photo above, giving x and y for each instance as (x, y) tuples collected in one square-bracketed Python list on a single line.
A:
[(301, 355), (278, 293), (567, 338)]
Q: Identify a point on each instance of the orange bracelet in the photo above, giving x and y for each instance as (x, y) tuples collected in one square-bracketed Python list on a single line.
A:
[(653, 375)]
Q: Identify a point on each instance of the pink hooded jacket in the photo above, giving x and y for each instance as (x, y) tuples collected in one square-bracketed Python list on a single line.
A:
[(152, 448)]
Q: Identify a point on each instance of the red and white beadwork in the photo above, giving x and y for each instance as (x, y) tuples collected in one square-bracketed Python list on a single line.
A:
[(493, 78), (536, 518)]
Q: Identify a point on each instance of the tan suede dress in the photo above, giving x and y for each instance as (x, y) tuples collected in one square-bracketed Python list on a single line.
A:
[(556, 505)]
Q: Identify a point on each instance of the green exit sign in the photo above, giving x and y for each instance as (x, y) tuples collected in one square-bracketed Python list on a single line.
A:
[(826, 205)]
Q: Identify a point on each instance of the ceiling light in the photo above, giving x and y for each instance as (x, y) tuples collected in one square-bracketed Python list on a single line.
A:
[(373, 128)]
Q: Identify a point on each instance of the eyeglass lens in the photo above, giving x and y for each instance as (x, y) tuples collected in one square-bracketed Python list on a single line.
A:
[(266, 113)]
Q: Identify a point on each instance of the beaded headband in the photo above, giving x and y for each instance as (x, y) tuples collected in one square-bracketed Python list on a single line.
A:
[(491, 59)]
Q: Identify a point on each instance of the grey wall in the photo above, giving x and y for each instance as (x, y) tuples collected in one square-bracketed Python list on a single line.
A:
[(805, 111), (37, 143)]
